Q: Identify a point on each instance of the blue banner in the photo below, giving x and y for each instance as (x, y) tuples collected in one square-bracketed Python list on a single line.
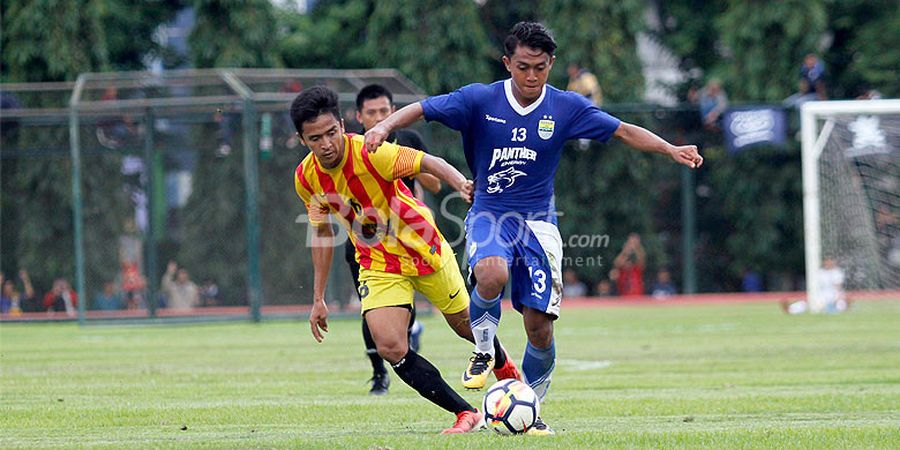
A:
[(752, 125)]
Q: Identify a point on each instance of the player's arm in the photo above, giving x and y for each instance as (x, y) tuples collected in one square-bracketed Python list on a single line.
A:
[(436, 166), (322, 253), (423, 180), (428, 182), (401, 118), (645, 140)]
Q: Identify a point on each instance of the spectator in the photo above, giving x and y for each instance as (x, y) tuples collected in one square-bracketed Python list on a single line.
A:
[(292, 140), (209, 293), (61, 298), (831, 293), (751, 281), (131, 258), (572, 286), (663, 286), (603, 288), (585, 83), (227, 122), (9, 127), (812, 82), (113, 133), (181, 293), (629, 265), (713, 102), (11, 299), (108, 299)]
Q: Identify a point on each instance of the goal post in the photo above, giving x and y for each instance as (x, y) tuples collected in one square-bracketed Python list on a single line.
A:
[(851, 186)]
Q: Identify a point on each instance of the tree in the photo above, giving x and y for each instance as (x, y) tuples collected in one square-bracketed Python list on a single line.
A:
[(865, 47), (439, 45), (233, 33), (331, 36), (54, 41), (608, 47), (765, 44), (47, 40)]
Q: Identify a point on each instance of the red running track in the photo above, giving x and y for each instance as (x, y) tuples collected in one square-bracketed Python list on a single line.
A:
[(568, 303)]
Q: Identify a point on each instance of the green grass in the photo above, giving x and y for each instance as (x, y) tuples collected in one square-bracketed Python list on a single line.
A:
[(718, 376)]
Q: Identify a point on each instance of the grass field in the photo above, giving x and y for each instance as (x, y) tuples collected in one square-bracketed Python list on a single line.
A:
[(717, 376)]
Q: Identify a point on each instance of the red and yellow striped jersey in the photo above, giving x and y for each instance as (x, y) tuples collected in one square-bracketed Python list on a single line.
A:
[(391, 229)]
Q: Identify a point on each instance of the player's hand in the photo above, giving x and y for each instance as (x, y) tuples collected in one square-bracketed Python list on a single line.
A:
[(375, 137), (467, 190), (687, 155), (318, 320)]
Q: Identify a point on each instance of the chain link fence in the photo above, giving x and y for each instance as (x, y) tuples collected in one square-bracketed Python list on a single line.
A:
[(171, 195)]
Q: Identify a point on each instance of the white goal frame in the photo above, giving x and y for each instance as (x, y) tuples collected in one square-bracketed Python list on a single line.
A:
[(813, 141)]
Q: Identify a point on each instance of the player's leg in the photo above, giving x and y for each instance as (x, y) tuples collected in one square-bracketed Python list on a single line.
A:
[(387, 300), (380, 379), (540, 352), (489, 254), (537, 294), (446, 290), (415, 331)]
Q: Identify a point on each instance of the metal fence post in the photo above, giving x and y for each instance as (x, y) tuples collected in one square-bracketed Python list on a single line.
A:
[(152, 249), (688, 231), (251, 180), (77, 218)]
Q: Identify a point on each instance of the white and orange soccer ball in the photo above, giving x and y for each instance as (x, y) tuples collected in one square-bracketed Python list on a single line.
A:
[(510, 407)]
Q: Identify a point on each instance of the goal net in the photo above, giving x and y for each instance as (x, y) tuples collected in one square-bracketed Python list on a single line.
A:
[(851, 194)]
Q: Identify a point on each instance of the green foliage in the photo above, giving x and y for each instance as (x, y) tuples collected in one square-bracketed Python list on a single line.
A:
[(50, 40), (757, 47), (753, 214), (439, 45), (128, 29), (865, 52), (331, 36), (285, 260), (765, 44), (601, 35), (234, 33), (686, 28)]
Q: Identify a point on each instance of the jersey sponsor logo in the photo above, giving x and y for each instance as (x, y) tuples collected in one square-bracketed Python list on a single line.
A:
[(507, 156), (491, 118), (545, 127), (504, 179)]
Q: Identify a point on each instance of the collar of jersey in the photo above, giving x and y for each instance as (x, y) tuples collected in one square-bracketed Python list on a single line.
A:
[(522, 110), (337, 168)]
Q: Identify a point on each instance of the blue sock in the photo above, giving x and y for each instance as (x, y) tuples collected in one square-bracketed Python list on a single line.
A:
[(537, 366), (484, 316)]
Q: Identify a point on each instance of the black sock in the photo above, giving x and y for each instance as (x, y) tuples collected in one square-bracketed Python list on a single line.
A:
[(426, 379), (371, 350), (499, 354), (412, 320)]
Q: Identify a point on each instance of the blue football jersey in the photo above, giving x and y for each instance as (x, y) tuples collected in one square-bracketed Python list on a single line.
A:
[(514, 151)]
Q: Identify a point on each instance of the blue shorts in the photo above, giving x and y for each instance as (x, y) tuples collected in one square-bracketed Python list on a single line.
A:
[(533, 253)]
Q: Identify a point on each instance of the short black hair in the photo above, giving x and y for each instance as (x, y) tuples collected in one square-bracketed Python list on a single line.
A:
[(529, 34), (370, 92), (312, 103)]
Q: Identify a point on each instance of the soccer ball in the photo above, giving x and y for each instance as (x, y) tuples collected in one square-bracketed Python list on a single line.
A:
[(510, 407)]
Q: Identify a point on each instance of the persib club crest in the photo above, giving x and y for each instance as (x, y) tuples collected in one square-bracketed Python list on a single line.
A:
[(545, 127)]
